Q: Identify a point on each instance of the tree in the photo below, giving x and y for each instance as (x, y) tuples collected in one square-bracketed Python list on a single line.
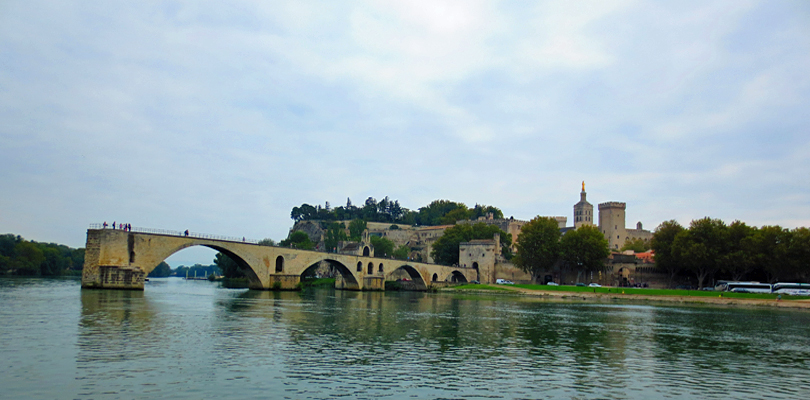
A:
[(28, 258), (538, 246), (396, 211), (741, 258), (799, 253), (638, 245), (356, 228), (267, 242), (161, 271), (772, 243), (298, 240), (5, 264), (459, 214), (702, 247), (584, 249), (445, 248), (306, 211), (8, 243), (661, 243), (383, 247), (335, 233), (55, 263), (401, 253), (77, 259), (433, 213), (370, 210), (230, 269)]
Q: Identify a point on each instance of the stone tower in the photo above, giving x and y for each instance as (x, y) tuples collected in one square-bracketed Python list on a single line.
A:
[(611, 223), (583, 211)]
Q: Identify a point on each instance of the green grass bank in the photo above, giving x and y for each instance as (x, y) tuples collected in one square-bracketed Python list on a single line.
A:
[(631, 292)]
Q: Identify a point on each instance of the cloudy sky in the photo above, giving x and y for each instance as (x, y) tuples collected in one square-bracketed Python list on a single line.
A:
[(221, 118)]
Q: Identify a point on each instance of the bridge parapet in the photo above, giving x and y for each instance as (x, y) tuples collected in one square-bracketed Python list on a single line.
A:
[(169, 232)]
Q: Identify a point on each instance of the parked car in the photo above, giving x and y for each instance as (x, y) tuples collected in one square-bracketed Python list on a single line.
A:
[(580, 284), (475, 282), (504, 282), (552, 284), (594, 285)]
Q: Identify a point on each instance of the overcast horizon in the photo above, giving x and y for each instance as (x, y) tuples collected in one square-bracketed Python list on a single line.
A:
[(220, 118)]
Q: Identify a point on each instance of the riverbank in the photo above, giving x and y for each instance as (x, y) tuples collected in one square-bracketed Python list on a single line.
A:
[(563, 295)]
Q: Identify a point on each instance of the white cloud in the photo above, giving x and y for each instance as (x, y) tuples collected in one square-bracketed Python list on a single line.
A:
[(221, 118)]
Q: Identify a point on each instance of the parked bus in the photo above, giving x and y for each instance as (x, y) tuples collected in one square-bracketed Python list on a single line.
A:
[(795, 289), (745, 287)]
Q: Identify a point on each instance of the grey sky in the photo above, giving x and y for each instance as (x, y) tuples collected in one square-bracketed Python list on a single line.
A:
[(221, 118)]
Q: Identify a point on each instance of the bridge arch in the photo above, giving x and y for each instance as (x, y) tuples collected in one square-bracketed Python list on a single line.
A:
[(413, 274), (151, 262), (457, 277), (347, 279)]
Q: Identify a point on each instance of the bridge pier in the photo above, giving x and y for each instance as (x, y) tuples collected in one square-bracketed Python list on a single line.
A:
[(101, 271), (283, 282), (374, 283)]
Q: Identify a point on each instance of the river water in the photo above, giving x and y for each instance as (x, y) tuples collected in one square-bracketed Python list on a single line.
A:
[(193, 340)]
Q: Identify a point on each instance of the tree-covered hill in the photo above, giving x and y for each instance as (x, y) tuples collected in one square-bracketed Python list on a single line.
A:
[(22, 257), (438, 212)]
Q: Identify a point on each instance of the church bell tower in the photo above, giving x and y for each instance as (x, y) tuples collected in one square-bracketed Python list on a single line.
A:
[(583, 211)]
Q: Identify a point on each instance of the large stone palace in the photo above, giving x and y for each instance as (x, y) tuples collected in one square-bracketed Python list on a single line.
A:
[(611, 221)]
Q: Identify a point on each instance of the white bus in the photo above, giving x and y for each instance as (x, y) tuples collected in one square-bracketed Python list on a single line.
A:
[(746, 287), (794, 289)]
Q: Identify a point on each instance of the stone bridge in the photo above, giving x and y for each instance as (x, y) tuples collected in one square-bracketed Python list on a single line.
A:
[(117, 259)]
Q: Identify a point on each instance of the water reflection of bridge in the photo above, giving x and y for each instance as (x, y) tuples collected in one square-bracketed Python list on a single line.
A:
[(117, 259)]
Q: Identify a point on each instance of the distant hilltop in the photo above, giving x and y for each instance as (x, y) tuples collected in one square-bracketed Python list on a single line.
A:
[(438, 212), (418, 230)]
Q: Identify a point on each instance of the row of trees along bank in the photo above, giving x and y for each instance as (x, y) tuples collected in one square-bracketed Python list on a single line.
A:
[(22, 257), (541, 247), (710, 249)]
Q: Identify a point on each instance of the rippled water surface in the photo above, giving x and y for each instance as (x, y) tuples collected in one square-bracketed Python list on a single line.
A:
[(193, 340)]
